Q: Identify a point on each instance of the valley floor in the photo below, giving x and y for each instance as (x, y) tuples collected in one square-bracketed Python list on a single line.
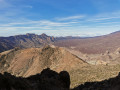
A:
[(93, 73)]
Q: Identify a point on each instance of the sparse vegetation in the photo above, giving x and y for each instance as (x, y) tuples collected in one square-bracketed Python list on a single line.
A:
[(93, 73), (58, 59)]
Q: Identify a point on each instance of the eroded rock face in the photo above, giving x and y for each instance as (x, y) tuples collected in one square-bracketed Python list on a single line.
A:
[(46, 80)]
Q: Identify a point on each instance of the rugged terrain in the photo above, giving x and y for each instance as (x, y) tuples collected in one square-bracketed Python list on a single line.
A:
[(46, 80), (26, 62), (86, 59), (51, 80), (90, 45), (24, 41), (94, 45), (95, 59), (30, 61)]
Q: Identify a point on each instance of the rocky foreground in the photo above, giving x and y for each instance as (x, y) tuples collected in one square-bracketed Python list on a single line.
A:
[(51, 80), (46, 80)]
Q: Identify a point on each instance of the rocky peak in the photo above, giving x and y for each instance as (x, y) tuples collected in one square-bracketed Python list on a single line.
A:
[(30, 34), (43, 35), (25, 41)]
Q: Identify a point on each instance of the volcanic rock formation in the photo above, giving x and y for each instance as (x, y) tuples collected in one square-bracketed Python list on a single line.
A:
[(46, 80), (26, 62), (25, 41)]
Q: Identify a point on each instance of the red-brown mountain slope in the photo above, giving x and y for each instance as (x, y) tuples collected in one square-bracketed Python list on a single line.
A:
[(28, 62), (93, 45)]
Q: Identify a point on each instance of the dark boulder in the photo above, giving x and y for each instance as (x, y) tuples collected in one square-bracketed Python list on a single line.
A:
[(46, 80)]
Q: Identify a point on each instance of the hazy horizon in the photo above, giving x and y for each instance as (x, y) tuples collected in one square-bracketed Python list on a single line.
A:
[(85, 35)]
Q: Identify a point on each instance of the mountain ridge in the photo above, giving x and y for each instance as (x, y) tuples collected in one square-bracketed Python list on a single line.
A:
[(25, 41), (94, 45), (33, 40), (36, 59)]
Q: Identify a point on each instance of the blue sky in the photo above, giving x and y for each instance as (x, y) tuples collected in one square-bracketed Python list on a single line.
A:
[(59, 17)]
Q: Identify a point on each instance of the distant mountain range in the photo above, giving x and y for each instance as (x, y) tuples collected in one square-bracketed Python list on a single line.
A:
[(29, 59), (29, 40), (25, 41), (93, 45)]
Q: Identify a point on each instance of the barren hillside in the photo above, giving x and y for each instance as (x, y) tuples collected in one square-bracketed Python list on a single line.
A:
[(93, 45), (28, 62)]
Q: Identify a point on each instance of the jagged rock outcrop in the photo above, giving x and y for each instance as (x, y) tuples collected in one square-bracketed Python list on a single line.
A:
[(46, 80), (25, 41)]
